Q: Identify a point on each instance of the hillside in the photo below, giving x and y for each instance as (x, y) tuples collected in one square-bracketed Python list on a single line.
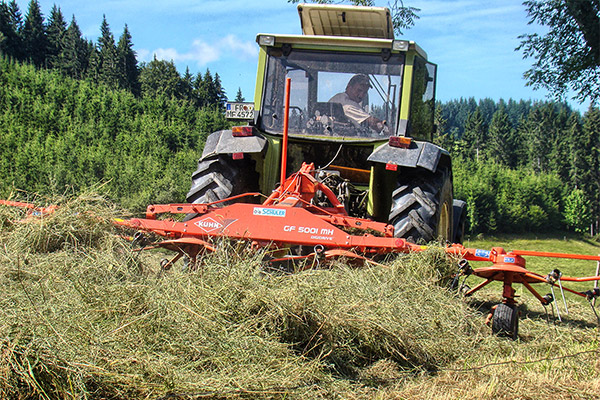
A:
[(61, 134)]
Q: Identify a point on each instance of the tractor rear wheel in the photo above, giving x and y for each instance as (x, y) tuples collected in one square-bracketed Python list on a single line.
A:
[(220, 177), (505, 321), (422, 206)]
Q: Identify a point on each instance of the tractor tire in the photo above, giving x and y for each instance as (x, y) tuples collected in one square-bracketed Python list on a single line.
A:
[(460, 220), (220, 177), (422, 206), (505, 321)]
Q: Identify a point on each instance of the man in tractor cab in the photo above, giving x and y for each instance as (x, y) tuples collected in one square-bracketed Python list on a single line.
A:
[(351, 100)]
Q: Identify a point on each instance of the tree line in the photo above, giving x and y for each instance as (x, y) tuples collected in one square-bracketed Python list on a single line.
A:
[(54, 44), (524, 165)]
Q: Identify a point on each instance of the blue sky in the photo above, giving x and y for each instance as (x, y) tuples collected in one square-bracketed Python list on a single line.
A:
[(472, 41)]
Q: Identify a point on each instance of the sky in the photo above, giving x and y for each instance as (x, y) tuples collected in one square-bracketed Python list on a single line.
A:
[(472, 41)]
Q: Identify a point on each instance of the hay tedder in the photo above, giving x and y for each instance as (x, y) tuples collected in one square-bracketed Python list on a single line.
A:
[(298, 232)]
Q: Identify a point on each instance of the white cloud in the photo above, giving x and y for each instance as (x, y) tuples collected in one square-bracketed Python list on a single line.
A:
[(245, 50), (203, 53)]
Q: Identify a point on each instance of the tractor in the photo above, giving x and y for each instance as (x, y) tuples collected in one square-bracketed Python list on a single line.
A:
[(374, 151)]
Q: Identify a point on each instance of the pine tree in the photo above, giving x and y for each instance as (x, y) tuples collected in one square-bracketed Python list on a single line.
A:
[(74, 57), (220, 96), (129, 72), (11, 26), (475, 135), (187, 86), (487, 107), (35, 42), (559, 154), (5, 29), (56, 32), (591, 131), (538, 131), (160, 78), (209, 89), (579, 160), (93, 70), (108, 72), (200, 91), (502, 139), (239, 97)]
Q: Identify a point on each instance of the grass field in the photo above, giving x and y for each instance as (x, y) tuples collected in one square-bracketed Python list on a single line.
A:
[(83, 317)]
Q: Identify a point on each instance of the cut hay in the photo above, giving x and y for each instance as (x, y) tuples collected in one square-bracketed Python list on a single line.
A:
[(82, 316)]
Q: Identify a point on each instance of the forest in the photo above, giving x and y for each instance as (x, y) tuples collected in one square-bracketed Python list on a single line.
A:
[(76, 114)]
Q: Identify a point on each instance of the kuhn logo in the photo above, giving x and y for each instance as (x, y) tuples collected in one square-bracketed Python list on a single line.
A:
[(208, 224), (272, 212)]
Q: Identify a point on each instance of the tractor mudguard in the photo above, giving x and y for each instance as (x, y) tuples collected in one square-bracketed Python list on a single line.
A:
[(223, 142), (419, 154)]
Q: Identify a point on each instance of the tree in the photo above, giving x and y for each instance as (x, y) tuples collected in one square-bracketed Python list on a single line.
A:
[(579, 160), (56, 32), (187, 87), (35, 42), (403, 17), (567, 57), (475, 135), (76, 52), (591, 130), (239, 97), (220, 96), (160, 78), (108, 72), (11, 25), (128, 70), (208, 90), (577, 212), (503, 139), (539, 133)]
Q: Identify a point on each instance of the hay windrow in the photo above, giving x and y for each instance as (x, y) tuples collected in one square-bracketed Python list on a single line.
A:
[(83, 316)]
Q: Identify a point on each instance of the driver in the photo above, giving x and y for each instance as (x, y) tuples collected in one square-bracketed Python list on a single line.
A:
[(356, 90)]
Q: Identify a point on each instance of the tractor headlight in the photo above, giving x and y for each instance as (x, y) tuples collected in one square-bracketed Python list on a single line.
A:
[(266, 40), (400, 45)]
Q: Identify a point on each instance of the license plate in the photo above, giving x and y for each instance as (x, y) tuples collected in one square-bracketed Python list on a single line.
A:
[(239, 111)]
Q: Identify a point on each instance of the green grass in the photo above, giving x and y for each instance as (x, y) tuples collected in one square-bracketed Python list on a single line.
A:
[(83, 317)]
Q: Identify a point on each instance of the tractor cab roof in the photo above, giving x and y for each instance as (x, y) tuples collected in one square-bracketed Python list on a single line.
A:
[(344, 27), (335, 20)]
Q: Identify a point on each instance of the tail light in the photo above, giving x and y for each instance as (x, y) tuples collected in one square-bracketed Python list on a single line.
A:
[(400, 141), (240, 131)]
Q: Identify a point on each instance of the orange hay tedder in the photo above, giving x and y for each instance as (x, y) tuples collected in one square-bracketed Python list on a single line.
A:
[(288, 218)]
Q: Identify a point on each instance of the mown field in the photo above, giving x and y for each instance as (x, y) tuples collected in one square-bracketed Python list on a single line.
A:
[(84, 317)]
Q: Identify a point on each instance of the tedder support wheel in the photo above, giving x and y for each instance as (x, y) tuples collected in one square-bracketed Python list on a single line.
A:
[(505, 321), (220, 177), (422, 206)]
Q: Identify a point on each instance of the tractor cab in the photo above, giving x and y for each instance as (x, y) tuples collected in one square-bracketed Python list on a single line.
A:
[(345, 50)]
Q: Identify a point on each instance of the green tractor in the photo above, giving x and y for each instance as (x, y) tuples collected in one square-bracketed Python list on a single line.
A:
[(361, 109)]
